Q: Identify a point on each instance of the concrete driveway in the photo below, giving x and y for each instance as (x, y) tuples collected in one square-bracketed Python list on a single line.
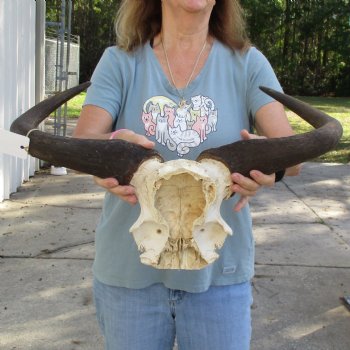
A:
[(302, 233)]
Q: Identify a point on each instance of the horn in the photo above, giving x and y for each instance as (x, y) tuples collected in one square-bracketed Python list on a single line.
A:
[(102, 158), (275, 154)]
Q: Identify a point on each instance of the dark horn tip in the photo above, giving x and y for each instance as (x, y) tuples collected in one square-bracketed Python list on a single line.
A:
[(271, 92), (34, 116), (264, 88), (274, 154), (85, 85)]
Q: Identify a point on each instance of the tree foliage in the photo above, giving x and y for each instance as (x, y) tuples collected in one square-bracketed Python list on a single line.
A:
[(93, 21), (306, 41)]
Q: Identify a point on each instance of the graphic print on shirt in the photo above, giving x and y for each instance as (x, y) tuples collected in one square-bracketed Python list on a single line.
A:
[(179, 128)]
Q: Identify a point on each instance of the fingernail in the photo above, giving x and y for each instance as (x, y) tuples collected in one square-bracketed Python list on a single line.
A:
[(235, 188), (236, 176), (112, 182)]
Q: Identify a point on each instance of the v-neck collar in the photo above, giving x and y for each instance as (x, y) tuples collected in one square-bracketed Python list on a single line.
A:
[(185, 91)]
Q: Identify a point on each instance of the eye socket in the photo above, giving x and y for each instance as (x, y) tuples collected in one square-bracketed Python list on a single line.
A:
[(159, 231)]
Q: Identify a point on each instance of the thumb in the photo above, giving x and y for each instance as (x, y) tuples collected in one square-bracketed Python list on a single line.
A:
[(245, 134), (147, 143)]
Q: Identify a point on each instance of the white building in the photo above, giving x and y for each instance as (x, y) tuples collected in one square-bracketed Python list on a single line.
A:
[(22, 26)]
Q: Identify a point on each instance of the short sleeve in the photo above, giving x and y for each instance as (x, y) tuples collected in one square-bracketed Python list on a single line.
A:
[(105, 90), (260, 73)]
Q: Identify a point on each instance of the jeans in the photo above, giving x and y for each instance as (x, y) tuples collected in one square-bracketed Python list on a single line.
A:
[(150, 318)]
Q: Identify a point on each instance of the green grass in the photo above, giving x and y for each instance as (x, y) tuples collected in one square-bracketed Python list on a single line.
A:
[(336, 107), (74, 105)]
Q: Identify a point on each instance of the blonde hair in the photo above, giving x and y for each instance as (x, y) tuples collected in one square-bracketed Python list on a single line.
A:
[(138, 21)]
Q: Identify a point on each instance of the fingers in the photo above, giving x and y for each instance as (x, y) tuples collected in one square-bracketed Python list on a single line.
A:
[(243, 201), (245, 135), (248, 187), (243, 185), (106, 183), (126, 193), (258, 176), (140, 140), (263, 179), (131, 136)]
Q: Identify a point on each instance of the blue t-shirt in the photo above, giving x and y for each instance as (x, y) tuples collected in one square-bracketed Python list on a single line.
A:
[(133, 88)]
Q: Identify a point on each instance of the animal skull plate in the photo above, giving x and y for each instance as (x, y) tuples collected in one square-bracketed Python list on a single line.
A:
[(180, 226)]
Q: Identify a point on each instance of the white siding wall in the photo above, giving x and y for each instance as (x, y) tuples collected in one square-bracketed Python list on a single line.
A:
[(17, 82)]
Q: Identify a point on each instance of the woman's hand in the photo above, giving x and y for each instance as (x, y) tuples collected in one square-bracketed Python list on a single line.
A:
[(247, 187), (127, 192)]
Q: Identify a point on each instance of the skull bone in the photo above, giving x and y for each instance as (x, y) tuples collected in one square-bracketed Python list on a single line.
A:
[(180, 225)]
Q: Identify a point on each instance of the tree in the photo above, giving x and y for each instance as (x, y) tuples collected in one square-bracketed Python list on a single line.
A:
[(93, 21), (307, 42)]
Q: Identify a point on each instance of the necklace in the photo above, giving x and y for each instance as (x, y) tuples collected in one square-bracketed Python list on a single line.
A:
[(182, 102)]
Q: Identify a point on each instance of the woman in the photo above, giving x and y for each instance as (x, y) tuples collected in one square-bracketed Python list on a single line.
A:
[(188, 60)]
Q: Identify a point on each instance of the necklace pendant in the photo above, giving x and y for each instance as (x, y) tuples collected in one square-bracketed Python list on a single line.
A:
[(182, 103)]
